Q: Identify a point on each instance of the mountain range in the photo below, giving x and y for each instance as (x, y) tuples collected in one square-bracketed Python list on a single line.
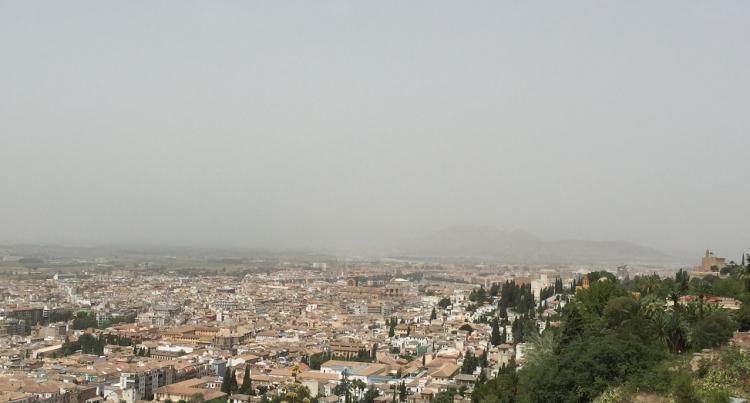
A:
[(523, 247)]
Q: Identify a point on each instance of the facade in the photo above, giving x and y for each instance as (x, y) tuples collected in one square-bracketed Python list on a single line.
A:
[(29, 314), (12, 327), (145, 380), (354, 370), (188, 390), (710, 265)]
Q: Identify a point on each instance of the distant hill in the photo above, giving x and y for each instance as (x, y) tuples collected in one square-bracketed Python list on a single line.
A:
[(521, 246)]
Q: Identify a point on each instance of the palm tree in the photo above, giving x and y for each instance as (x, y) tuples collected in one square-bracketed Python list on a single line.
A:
[(743, 272), (542, 346), (651, 284), (674, 295), (359, 386), (660, 326), (700, 288)]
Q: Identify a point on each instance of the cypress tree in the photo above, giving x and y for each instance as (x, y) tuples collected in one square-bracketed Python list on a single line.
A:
[(247, 387), (226, 383), (495, 338), (233, 383)]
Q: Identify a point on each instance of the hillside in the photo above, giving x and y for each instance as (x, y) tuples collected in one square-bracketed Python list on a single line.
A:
[(521, 246)]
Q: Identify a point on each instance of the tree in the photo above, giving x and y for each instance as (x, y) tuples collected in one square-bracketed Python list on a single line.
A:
[(226, 383), (743, 318), (84, 321), (620, 310), (584, 368), (483, 360), (700, 288), (559, 286), (402, 391), (247, 387), (370, 395), (233, 385), (470, 363), (682, 278), (90, 344), (433, 315), (743, 272), (711, 331), (502, 389), (495, 338), (344, 387)]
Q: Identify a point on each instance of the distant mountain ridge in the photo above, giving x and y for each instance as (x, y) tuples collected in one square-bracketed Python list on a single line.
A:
[(521, 246)]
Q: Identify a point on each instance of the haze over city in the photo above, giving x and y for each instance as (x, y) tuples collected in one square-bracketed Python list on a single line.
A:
[(349, 126), (374, 201)]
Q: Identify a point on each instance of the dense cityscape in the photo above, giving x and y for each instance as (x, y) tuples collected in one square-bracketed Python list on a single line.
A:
[(286, 329)]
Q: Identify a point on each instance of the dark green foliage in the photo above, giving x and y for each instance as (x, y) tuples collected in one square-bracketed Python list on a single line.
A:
[(595, 276), (609, 338), (494, 290), (470, 363), (233, 387), (742, 317), (116, 320), (682, 279), (496, 337), (523, 328), (683, 390), (226, 382), (445, 397), (60, 315), (444, 303), (90, 344), (593, 301), (521, 298), (713, 330), (546, 292), (559, 289), (314, 361), (116, 340), (619, 311), (502, 389), (391, 327), (573, 327), (587, 366), (85, 320), (247, 386), (370, 396), (478, 296), (657, 379), (344, 388)]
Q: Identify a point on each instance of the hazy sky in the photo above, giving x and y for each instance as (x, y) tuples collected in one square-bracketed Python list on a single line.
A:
[(344, 124)]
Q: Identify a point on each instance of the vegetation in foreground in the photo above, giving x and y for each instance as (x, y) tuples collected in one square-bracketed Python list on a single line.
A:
[(618, 339)]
